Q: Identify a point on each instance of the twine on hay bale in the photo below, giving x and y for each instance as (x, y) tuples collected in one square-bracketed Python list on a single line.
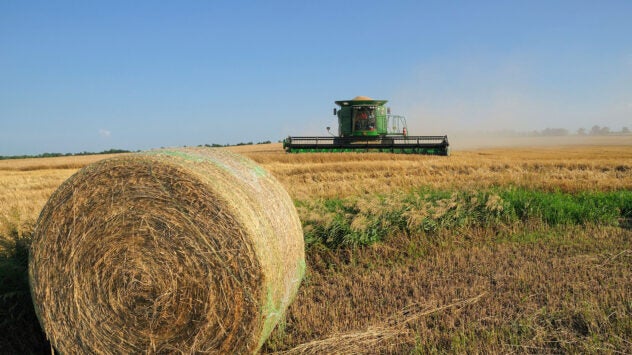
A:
[(185, 250)]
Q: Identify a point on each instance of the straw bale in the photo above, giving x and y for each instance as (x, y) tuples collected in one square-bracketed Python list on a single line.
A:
[(184, 250)]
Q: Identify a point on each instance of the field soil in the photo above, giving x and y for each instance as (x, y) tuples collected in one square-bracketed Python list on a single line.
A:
[(523, 285)]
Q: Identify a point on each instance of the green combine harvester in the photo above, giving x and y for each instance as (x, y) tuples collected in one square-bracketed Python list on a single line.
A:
[(366, 125)]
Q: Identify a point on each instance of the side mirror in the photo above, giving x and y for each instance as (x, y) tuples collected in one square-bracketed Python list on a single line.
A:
[(335, 111)]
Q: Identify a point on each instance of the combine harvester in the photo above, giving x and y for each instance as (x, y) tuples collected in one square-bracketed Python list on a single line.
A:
[(366, 125)]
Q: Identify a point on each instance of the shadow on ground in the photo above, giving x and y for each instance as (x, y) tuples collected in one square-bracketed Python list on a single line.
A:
[(20, 331)]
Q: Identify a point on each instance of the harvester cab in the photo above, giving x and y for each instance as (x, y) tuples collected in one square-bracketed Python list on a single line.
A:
[(367, 125), (362, 117)]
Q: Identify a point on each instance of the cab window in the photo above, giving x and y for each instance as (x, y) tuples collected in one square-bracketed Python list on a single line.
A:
[(364, 119)]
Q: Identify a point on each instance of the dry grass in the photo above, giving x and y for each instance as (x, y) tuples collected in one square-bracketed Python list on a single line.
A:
[(26, 184), (565, 168), (386, 337), (545, 291), (70, 162), (24, 193)]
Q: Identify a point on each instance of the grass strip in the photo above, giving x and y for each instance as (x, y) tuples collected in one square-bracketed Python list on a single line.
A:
[(364, 220)]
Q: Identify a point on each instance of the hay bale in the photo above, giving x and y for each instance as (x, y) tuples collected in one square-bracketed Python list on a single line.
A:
[(186, 250)]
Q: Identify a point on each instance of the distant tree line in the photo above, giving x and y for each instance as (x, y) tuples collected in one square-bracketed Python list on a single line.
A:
[(114, 151), (215, 145), (601, 131), (52, 155)]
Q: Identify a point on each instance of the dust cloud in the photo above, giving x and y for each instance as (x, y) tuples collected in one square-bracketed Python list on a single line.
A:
[(483, 100), (472, 141)]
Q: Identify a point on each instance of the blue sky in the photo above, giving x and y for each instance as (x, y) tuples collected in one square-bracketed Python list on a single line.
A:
[(89, 76)]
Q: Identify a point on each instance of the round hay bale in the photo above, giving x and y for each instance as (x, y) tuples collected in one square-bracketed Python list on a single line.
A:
[(185, 250)]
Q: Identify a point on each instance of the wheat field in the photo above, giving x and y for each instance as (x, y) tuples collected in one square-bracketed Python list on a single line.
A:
[(26, 184), (539, 288)]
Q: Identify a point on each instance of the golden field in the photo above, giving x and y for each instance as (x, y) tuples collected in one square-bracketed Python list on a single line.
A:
[(26, 184), (523, 287)]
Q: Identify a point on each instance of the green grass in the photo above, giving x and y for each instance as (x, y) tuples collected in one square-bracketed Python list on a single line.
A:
[(368, 219), (555, 208)]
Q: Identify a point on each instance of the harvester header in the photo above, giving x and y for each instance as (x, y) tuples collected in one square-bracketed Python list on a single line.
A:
[(367, 125)]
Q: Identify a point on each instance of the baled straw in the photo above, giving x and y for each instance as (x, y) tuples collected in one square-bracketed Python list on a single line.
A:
[(186, 250)]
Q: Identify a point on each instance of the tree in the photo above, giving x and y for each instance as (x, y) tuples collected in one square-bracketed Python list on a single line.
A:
[(581, 132), (625, 130), (554, 132)]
